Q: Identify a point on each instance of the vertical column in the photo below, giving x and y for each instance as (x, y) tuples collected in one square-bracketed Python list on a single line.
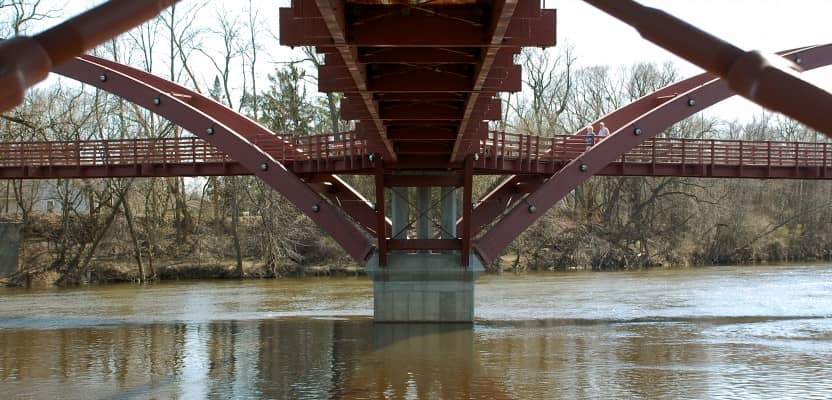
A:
[(400, 213), (448, 212), (423, 223), (381, 222)]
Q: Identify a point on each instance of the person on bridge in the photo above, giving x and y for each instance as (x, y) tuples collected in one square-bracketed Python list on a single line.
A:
[(590, 136), (603, 132)]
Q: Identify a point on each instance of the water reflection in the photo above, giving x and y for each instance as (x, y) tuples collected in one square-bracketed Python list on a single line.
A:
[(356, 359), (723, 349)]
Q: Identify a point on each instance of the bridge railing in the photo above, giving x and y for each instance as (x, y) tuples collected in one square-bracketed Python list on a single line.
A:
[(171, 150), (109, 152), (663, 150)]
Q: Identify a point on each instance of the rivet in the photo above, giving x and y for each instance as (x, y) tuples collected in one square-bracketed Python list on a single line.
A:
[(798, 61), (532, 209), (691, 102), (316, 207), (584, 167), (264, 167), (210, 130), (157, 101), (637, 131), (103, 78)]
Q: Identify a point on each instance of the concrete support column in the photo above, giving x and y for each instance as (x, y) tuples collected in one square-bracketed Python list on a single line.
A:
[(9, 248), (423, 287), (448, 212), (423, 212), (400, 211)]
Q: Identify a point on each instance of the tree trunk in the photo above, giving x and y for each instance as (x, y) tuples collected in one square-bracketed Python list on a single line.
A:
[(137, 248), (235, 221)]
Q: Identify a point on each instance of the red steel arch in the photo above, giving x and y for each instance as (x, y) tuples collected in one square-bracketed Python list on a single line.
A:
[(639, 128), (507, 193), (223, 128)]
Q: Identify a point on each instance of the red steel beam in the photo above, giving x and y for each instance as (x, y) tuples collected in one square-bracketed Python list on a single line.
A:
[(25, 61), (336, 79), (467, 192), (381, 218), (502, 14), (356, 205), (766, 80), (332, 12), (640, 128), (174, 107), (424, 244)]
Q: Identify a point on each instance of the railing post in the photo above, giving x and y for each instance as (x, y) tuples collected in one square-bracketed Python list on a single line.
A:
[(653, 163), (741, 156), (825, 152)]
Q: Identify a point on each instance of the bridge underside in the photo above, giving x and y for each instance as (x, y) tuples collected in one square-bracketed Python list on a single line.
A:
[(421, 81)]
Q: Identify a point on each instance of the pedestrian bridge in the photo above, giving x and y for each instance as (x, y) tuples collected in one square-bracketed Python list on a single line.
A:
[(501, 153), (422, 80)]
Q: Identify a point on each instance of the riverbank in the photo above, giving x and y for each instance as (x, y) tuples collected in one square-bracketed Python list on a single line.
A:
[(115, 272)]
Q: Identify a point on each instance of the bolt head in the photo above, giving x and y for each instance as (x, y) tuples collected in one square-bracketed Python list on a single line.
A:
[(157, 101), (584, 167), (798, 61), (691, 102), (103, 78), (210, 130), (532, 209), (316, 207), (372, 157), (637, 131), (264, 167)]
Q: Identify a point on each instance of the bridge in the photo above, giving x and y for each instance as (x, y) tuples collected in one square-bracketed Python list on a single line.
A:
[(421, 80), (500, 153)]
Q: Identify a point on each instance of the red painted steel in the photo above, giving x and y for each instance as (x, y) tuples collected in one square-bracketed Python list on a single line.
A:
[(194, 157), (402, 64), (766, 80), (215, 126), (25, 61), (423, 78), (623, 139), (380, 214)]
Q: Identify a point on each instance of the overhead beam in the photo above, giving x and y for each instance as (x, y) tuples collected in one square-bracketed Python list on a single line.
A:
[(332, 11), (502, 15), (766, 80)]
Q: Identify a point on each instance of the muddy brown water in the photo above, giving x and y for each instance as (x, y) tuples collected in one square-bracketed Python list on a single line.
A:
[(722, 332)]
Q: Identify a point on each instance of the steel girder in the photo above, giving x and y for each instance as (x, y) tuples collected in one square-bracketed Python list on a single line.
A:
[(764, 79), (223, 128), (430, 68), (640, 126), (25, 61)]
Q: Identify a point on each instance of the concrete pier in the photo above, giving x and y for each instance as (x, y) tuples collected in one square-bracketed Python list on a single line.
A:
[(423, 287), (9, 248)]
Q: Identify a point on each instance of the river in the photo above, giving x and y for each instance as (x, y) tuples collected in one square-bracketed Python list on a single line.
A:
[(718, 332)]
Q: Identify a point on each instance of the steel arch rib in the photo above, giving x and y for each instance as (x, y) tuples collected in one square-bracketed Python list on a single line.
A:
[(623, 139), (495, 203), (197, 114), (358, 207)]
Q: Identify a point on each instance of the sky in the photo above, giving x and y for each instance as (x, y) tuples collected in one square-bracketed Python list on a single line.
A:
[(598, 39)]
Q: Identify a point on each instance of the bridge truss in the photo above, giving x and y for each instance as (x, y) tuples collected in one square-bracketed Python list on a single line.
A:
[(422, 81)]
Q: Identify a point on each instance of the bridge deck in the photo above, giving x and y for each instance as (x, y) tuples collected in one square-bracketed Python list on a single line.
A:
[(501, 153)]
